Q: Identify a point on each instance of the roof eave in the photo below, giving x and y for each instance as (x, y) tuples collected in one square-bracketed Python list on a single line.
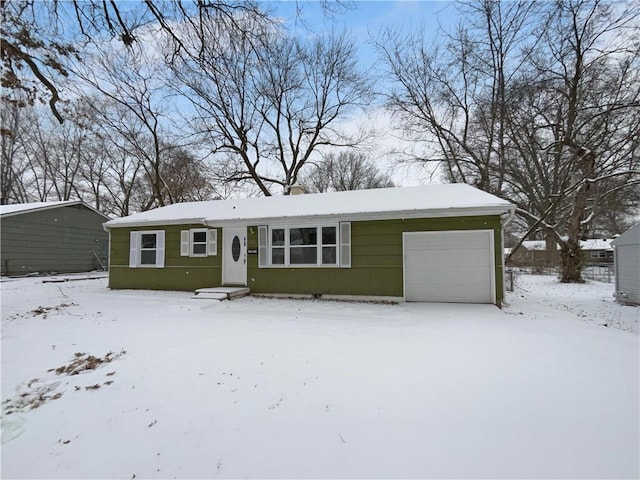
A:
[(151, 223), (362, 216), (368, 216)]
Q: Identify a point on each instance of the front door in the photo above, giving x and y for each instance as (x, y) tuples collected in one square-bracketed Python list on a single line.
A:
[(234, 256)]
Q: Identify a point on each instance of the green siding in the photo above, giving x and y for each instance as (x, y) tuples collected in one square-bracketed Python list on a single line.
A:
[(179, 273), (376, 265), (62, 239)]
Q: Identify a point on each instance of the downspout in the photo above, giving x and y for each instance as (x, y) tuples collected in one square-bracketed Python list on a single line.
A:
[(510, 215), (107, 229)]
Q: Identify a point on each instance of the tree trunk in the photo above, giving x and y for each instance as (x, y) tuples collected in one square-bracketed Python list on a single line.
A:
[(572, 259), (571, 262)]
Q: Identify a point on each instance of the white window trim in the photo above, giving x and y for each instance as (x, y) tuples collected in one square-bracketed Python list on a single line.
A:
[(135, 248), (186, 242), (192, 243), (265, 261)]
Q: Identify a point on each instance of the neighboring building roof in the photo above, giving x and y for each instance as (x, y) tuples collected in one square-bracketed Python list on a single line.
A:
[(21, 208), (538, 245), (630, 237), (401, 202), (589, 244), (596, 244)]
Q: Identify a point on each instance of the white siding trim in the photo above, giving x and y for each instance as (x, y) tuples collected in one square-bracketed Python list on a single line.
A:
[(134, 240), (345, 245), (263, 246), (159, 249), (184, 243), (212, 248)]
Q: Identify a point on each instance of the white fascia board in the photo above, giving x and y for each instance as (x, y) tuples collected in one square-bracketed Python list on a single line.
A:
[(241, 222), (152, 223), (356, 217)]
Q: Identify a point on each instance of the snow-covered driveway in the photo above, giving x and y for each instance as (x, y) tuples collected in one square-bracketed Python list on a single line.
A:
[(317, 389)]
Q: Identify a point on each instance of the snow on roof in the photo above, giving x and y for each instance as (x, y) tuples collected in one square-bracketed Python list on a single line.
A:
[(596, 244), (589, 244), (27, 207), (20, 208), (430, 200), (535, 245)]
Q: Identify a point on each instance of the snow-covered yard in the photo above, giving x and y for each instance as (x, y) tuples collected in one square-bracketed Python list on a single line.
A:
[(546, 387)]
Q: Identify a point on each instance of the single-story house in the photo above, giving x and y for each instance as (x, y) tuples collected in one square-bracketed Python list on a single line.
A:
[(439, 243), (627, 266), (60, 237), (597, 251), (535, 253)]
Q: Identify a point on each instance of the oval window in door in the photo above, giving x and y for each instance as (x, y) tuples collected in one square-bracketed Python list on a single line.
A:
[(235, 248)]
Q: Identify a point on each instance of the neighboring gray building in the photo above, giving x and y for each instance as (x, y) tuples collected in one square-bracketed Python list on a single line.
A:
[(52, 237), (627, 266)]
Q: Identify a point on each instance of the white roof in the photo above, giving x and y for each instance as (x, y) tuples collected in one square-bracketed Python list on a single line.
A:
[(536, 245), (596, 244), (20, 208), (630, 237), (589, 244), (401, 202)]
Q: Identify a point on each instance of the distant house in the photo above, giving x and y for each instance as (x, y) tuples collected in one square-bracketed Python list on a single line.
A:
[(597, 251), (440, 243), (52, 237), (627, 266), (534, 253)]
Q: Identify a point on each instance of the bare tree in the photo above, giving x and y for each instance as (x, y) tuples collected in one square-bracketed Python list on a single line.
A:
[(585, 123), (187, 177), (268, 100), (453, 95), (132, 82), (345, 171), (12, 163), (535, 102), (35, 60)]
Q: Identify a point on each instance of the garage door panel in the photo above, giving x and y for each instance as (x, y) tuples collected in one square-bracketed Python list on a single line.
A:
[(454, 266), (459, 276), (457, 239), (466, 259), (442, 260)]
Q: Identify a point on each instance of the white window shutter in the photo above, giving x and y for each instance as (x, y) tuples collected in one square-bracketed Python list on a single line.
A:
[(184, 243), (160, 249), (263, 247), (213, 242), (345, 245), (133, 249)]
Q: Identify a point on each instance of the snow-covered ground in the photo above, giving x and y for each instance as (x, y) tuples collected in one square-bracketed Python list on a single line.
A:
[(548, 387)]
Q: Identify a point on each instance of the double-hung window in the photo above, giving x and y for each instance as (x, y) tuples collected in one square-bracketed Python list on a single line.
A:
[(146, 249), (198, 242), (303, 245)]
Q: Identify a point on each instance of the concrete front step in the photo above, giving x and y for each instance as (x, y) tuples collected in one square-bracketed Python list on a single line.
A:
[(220, 293)]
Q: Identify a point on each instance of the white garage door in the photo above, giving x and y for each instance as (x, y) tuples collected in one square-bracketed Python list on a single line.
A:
[(451, 266)]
